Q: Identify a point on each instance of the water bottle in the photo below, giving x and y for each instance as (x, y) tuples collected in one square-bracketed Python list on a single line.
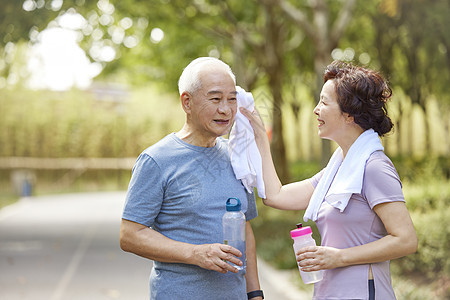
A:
[(302, 237), (234, 229)]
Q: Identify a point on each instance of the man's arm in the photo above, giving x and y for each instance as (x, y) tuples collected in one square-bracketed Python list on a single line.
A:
[(251, 274), (146, 242)]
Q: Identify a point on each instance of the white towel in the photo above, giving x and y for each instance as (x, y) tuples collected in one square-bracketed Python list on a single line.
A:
[(244, 154), (342, 178)]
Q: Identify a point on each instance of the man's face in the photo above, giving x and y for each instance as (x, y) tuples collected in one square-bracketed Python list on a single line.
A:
[(213, 107)]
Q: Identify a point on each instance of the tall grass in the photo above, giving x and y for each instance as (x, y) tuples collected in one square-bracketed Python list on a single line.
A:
[(76, 124)]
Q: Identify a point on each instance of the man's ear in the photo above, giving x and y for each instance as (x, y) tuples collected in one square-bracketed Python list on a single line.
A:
[(186, 99)]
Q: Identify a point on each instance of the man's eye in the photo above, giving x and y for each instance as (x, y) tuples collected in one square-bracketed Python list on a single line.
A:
[(232, 99), (215, 99)]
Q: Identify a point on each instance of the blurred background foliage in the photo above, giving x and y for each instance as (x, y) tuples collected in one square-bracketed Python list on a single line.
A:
[(278, 49)]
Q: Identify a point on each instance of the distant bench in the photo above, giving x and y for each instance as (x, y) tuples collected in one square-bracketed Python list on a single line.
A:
[(23, 176), (67, 163)]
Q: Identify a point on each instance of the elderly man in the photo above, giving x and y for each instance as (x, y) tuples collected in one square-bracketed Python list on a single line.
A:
[(177, 195)]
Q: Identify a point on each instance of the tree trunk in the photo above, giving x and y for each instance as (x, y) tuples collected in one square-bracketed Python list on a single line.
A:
[(238, 57), (278, 146), (274, 65)]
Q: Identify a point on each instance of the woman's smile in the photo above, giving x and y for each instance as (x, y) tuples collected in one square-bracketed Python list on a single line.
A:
[(320, 122)]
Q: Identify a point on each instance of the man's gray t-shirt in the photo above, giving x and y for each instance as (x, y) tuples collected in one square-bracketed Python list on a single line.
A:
[(180, 190)]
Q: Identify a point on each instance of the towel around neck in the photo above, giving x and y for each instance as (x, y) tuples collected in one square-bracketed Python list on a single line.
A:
[(343, 177)]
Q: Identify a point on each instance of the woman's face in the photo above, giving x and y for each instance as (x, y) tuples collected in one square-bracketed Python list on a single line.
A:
[(331, 119)]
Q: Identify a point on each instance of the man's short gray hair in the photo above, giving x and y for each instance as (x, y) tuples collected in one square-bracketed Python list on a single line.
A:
[(189, 80)]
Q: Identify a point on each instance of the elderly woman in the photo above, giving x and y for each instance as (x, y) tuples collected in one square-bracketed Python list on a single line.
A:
[(357, 200)]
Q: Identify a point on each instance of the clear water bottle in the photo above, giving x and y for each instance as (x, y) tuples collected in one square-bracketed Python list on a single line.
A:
[(234, 229), (302, 237)]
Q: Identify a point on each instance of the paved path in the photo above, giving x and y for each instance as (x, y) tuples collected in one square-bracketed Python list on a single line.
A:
[(66, 247)]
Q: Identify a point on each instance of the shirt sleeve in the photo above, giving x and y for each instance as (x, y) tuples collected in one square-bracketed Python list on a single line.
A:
[(251, 212), (381, 182), (145, 192)]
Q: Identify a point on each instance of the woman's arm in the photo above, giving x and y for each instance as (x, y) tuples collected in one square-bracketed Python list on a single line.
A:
[(294, 196), (401, 240)]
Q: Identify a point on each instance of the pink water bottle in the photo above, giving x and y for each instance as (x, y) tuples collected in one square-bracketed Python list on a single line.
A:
[(302, 237)]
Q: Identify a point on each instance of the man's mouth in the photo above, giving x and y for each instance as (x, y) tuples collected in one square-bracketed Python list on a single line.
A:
[(222, 122)]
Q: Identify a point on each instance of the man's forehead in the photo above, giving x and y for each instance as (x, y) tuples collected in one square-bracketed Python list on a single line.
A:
[(212, 92)]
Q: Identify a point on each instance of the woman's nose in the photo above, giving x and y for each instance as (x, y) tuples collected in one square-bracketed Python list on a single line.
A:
[(316, 109)]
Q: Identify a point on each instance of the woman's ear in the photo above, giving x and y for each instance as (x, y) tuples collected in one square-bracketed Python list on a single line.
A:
[(186, 99), (349, 119)]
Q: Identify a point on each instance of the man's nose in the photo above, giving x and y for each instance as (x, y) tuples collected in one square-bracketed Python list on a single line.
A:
[(224, 107)]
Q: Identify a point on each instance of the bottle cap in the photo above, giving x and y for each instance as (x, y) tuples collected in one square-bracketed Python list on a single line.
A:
[(300, 231), (233, 207)]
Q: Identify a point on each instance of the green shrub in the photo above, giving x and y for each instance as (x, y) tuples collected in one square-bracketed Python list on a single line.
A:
[(303, 169), (426, 169), (428, 195), (272, 231), (433, 232)]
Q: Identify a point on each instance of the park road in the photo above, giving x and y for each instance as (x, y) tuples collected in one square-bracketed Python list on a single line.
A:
[(67, 247)]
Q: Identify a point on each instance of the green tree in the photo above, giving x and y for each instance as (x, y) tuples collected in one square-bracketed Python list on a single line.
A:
[(267, 42), (324, 25), (413, 45)]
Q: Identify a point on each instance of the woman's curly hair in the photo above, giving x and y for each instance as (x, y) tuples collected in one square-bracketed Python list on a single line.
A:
[(362, 93)]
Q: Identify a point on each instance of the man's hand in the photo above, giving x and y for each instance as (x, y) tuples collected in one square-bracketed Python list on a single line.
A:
[(215, 257)]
